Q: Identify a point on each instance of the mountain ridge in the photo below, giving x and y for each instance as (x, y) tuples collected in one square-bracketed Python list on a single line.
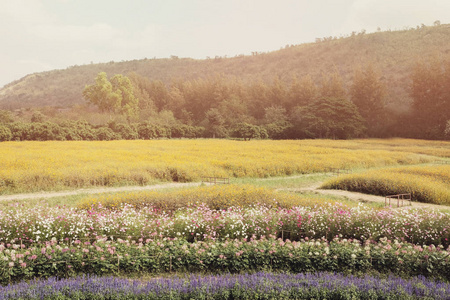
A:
[(393, 53)]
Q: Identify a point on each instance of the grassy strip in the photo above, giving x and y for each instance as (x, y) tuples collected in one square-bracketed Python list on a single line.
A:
[(429, 184), (104, 257), (260, 285)]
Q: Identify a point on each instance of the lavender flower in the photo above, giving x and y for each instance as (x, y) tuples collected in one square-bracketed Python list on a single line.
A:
[(248, 286)]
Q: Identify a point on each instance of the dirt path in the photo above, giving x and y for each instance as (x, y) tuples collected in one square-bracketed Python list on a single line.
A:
[(360, 197), (311, 188), (46, 195)]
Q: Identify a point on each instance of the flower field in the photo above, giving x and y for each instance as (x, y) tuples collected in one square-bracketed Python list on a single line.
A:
[(56, 165), (203, 223), (331, 237), (429, 184), (214, 197), (235, 241), (262, 285)]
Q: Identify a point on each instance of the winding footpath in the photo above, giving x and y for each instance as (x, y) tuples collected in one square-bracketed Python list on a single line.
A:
[(311, 188), (360, 197)]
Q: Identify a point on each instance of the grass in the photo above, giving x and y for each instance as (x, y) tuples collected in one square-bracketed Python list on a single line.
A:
[(297, 181), (429, 184), (169, 192)]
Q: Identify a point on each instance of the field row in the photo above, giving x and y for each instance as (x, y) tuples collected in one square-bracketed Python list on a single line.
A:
[(103, 257), (36, 166), (199, 222), (321, 285)]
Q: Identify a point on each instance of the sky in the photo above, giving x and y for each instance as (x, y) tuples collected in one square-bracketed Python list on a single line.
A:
[(42, 35)]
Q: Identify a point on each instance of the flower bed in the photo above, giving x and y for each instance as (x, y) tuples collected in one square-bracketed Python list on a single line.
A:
[(246, 286), (28, 226), (104, 256), (214, 197)]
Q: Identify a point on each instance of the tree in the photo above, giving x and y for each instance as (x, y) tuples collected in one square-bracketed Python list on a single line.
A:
[(115, 96), (367, 93), (302, 92), (430, 91), (176, 102), (128, 102), (336, 118), (276, 122), (447, 130), (5, 133), (102, 94), (234, 110), (37, 117), (332, 86), (249, 131), (6, 116), (216, 123)]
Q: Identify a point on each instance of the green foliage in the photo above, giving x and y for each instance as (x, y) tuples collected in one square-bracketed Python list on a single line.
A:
[(242, 88), (367, 93), (6, 116), (105, 134), (112, 96), (128, 102), (332, 85), (216, 123), (335, 118), (101, 94), (37, 117), (160, 255), (187, 131), (5, 133), (431, 94), (148, 131), (82, 130), (124, 131), (248, 131)]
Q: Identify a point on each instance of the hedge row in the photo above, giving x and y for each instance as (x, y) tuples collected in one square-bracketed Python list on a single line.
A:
[(81, 130)]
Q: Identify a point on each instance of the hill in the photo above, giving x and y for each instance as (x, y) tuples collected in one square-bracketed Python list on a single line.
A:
[(393, 53)]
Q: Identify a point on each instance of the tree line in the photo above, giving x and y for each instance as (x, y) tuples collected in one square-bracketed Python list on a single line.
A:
[(225, 106)]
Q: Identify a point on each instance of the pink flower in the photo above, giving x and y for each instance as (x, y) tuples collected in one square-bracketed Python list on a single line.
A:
[(23, 265), (11, 264)]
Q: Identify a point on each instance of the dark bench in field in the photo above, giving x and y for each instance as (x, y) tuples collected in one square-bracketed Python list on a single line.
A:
[(216, 180), (399, 198)]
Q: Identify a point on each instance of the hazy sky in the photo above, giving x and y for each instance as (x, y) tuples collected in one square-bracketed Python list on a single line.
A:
[(40, 35)]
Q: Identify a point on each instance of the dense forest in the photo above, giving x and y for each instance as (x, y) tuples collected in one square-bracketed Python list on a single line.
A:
[(377, 85)]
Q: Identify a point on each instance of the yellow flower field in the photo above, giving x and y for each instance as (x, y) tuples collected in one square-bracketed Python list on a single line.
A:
[(215, 197), (56, 165), (426, 184)]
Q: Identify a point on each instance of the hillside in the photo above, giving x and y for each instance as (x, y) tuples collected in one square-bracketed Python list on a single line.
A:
[(392, 53)]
